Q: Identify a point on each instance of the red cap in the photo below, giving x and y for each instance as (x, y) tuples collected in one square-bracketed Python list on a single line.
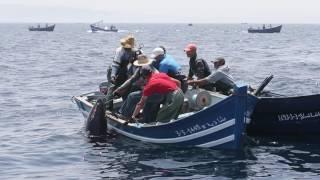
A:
[(190, 47)]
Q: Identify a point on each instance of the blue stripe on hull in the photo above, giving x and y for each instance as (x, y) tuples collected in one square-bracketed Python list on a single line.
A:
[(199, 121), (207, 138)]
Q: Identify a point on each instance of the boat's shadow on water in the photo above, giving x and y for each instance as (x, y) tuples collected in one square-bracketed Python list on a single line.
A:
[(119, 157), (291, 155), (130, 159), (297, 140)]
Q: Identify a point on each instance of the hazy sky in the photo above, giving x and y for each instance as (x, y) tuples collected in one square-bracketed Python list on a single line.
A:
[(161, 11)]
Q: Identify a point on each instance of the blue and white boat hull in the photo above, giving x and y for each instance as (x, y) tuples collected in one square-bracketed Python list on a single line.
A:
[(220, 125)]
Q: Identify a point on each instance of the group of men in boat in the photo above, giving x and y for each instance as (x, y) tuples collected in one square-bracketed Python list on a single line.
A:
[(147, 85)]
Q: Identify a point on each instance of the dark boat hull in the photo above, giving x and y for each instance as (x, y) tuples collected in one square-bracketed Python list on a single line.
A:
[(266, 30), (49, 28), (287, 116)]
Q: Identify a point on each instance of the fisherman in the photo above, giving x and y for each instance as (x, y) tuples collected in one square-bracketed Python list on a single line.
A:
[(198, 66), (220, 64), (159, 89), (164, 62), (125, 55), (220, 78), (134, 85), (167, 64)]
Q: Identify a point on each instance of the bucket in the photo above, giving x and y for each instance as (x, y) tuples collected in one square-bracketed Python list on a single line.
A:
[(104, 87)]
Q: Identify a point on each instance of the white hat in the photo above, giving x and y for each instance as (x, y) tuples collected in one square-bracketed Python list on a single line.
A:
[(156, 52)]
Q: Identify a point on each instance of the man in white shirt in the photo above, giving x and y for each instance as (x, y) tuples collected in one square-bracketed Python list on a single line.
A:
[(220, 78)]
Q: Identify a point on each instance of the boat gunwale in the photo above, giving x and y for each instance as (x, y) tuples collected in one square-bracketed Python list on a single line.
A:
[(83, 98)]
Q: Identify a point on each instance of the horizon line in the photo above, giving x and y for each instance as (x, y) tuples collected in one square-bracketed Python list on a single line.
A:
[(244, 23)]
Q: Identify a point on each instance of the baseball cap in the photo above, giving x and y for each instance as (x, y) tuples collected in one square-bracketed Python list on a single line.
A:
[(190, 47), (156, 52), (218, 59)]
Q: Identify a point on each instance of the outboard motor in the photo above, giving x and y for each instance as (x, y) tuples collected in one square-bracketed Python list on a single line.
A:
[(96, 124)]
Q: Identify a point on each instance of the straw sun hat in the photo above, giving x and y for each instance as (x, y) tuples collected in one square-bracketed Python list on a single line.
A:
[(142, 60), (127, 42)]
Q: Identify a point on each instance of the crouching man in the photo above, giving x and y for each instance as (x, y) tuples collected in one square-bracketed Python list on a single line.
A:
[(159, 89)]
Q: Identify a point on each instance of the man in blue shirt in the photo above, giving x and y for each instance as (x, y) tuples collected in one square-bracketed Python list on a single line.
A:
[(165, 62)]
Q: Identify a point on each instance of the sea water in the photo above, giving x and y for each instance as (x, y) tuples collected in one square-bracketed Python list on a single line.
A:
[(41, 130)]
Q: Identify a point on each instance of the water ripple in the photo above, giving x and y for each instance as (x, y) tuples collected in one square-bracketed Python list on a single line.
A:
[(42, 135)]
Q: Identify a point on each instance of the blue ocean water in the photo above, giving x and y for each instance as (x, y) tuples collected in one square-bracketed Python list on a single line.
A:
[(41, 130)]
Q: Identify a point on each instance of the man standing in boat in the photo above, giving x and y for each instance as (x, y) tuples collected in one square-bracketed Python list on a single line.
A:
[(125, 55), (198, 66)]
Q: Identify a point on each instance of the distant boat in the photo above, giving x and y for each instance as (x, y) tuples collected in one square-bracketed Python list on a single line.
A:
[(98, 26), (190, 24), (39, 28), (264, 29)]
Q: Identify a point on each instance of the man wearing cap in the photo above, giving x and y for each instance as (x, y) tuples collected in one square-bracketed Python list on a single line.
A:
[(159, 89), (165, 62), (125, 55), (220, 64), (133, 86), (198, 66), (220, 79)]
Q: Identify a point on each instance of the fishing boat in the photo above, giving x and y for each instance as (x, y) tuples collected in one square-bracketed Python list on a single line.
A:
[(208, 120), (98, 26), (39, 28), (272, 114), (264, 29), (287, 116)]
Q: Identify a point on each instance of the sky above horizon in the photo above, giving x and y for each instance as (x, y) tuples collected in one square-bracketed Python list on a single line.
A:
[(164, 11)]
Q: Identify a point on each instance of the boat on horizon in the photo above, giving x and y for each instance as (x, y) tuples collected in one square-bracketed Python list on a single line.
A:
[(265, 29), (45, 28), (98, 26)]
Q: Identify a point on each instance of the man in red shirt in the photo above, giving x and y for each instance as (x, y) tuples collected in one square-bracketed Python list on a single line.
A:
[(160, 89)]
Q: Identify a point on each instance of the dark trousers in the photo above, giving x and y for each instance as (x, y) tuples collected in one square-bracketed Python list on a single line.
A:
[(130, 103), (152, 107), (109, 97)]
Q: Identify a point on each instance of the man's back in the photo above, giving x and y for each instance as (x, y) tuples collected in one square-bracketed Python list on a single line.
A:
[(169, 65), (221, 79)]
